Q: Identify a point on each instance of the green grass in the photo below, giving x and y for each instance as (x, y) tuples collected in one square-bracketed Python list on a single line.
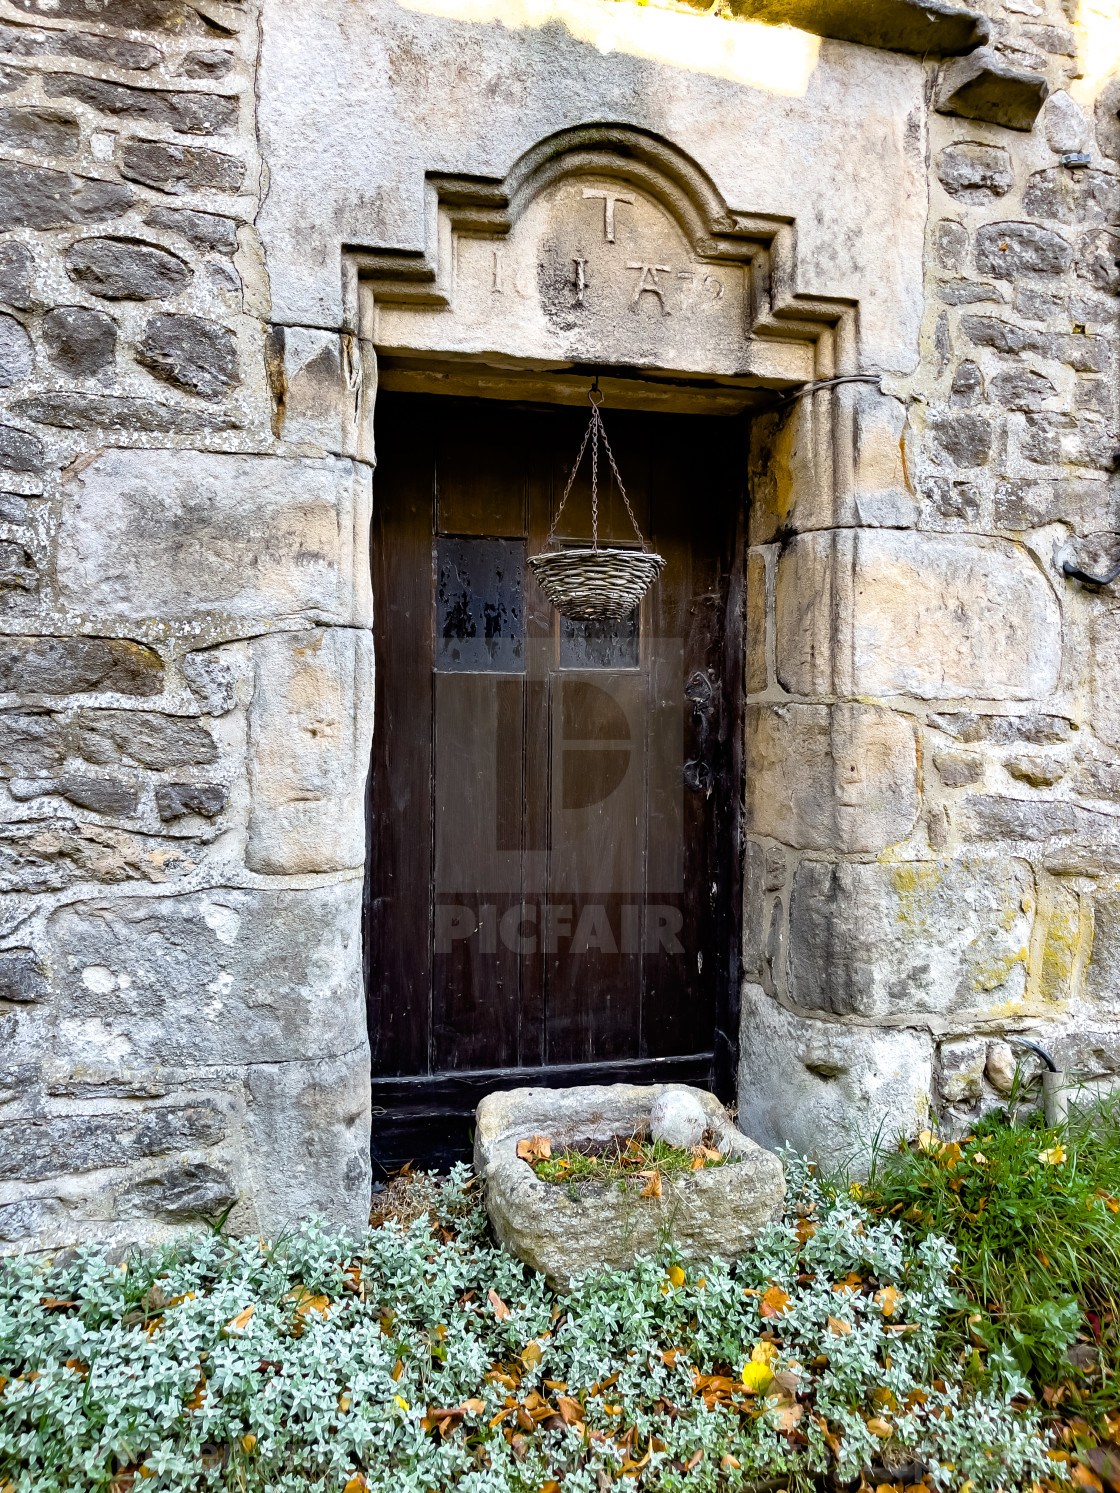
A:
[(1034, 1214), (622, 1161)]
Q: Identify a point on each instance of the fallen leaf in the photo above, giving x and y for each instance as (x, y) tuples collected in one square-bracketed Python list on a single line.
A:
[(805, 1231), (727, 1462), (676, 1278), (788, 1416), (571, 1411), (775, 1302), (1054, 1156), (53, 1304), (695, 1459), (400, 1403), (343, 1404), (536, 1148), (880, 1428), (927, 1141), (1084, 1477), (501, 1310), (883, 1398), (839, 1328), (198, 1398), (398, 1371), (357, 1484), (241, 1321), (532, 1354), (764, 1352), (887, 1301), (248, 1442), (552, 1486), (652, 1189)]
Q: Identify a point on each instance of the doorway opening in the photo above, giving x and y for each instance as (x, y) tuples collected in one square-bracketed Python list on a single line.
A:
[(553, 882)]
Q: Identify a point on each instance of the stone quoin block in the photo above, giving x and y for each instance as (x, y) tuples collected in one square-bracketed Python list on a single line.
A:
[(912, 936), (224, 976), (885, 612), (842, 777), (826, 1089), (310, 730), (307, 1138), (239, 542)]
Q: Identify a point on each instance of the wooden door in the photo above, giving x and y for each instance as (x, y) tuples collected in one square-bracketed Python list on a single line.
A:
[(553, 885)]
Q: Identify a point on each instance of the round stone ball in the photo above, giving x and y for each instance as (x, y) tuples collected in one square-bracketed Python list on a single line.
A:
[(678, 1119)]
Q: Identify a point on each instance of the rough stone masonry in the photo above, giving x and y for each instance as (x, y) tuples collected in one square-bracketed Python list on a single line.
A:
[(208, 213)]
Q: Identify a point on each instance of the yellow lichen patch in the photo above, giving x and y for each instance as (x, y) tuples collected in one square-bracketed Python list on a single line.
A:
[(1059, 948)]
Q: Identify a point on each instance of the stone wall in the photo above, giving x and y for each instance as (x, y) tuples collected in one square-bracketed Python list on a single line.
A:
[(932, 698), (933, 721), (186, 661)]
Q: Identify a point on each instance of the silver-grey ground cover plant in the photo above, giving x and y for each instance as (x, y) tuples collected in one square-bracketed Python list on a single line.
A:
[(314, 1361)]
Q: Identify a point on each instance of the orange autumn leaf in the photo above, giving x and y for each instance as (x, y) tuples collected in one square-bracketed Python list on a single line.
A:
[(880, 1428), (805, 1231), (501, 1310), (727, 1462), (532, 1354), (787, 1416), (357, 1484), (241, 1321), (887, 1301), (571, 1411), (838, 1327), (775, 1302), (536, 1148), (1085, 1478), (652, 1189)]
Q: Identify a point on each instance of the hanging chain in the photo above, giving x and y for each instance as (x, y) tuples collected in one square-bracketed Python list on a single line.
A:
[(597, 427)]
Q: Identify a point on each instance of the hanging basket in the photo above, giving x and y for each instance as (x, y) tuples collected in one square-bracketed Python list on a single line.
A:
[(585, 584)]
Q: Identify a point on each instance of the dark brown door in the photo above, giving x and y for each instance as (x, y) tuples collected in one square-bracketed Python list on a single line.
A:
[(553, 883)]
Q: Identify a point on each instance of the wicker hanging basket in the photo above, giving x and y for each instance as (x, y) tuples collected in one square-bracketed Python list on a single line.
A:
[(585, 584)]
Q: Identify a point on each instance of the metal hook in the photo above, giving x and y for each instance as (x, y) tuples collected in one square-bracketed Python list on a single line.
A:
[(591, 393)]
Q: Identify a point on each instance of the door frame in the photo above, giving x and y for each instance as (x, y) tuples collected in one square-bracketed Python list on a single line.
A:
[(427, 1119)]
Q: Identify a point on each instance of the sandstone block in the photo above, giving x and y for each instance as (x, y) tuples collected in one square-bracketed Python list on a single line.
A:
[(984, 86), (1007, 250), (962, 440), (48, 131), (139, 15), (975, 173), (202, 230), (208, 64), (840, 777), (173, 800), (17, 356), (161, 742), (710, 1214), (121, 412), (210, 977), (22, 41), (125, 269), (17, 267), (960, 1079), (1021, 389), (310, 730), (885, 612), (190, 353), (20, 451), (1065, 126), (1038, 771), (1104, 664), (950, 245), (1084, 197), (238, 542), (65, 666), (307, 1139), (78, 341), (317, 400), (1102, 978), (51, 1146), (1106, 112), (30, 743), (987, 817), (33, 197), (186, 113), (22, 977), (827, 1090), (891, 940), (958, 769), (181, 1192), (180, 168)]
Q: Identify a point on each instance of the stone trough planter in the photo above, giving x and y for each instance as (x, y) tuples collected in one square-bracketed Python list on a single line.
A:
[(561, 1231)]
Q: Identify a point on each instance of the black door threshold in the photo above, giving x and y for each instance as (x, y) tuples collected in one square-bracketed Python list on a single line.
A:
[(429, 1121)]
